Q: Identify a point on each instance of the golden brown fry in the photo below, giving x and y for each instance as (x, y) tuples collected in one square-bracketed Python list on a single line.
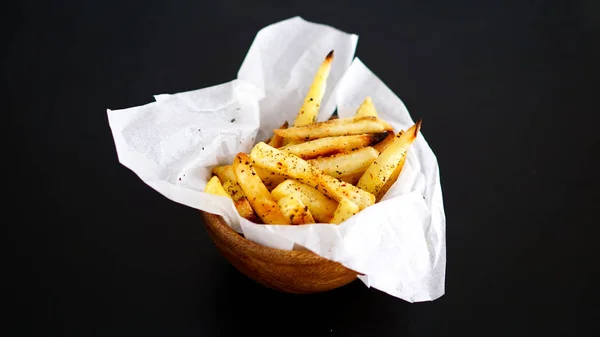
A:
[(234, 190), (287, 164), (259, 197), (270, 179), (366, 108), (386, 141), (277, 141), (345, 210), (381, 171), (310, 108), (347, 163), (225, 173), (352, 178), (213, 186), (293, 209), (228, 190), (319, 205), (336, 127), (331, 145), (391, 180), (245, 210)]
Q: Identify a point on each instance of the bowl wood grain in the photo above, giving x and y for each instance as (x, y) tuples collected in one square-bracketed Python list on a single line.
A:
[(298, 272)]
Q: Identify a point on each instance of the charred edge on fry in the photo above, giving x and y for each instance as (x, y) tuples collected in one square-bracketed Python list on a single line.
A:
[(418, 126), (329, 56), (378, 137)]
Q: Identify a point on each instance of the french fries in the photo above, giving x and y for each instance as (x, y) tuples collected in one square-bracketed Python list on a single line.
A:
[(270, 179), (336, 127), (277, 141), (225, 173), (332, 145), (344, 211), (319, 205), (346, 164), (259, 197), (213, 186), (316, 172), (293, 208), (292, 166), (391, 180), (352, 178), (230, 189), (385, 142), (310, 108), (382, 169), (366, 108)]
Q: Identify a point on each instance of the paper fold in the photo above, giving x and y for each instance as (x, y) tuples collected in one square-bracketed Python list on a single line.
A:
[(173, 143)]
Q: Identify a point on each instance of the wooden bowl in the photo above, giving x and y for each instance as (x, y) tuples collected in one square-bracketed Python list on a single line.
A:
[(298, 272)]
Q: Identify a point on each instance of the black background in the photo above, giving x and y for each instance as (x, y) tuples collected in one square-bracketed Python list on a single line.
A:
[(508, 94)]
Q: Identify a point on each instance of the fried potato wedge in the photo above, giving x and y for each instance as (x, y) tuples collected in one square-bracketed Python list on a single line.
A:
[(292, 208), (352, 179), (270, 179), (225, 173), (292, 166), (310, 108), (213, 186), (277, 141), (331, 145), (345, 210), (366, 108), (234, 190), (381, 171), (386, 141), (336, 127), (391, 180), (227, 189), (319, 205), (259, 196), (346, 164)]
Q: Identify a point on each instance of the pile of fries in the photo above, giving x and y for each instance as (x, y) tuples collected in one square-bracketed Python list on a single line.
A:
[(316, 172)]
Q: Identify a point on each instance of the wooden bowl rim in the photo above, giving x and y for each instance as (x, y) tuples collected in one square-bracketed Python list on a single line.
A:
[(260, 252)]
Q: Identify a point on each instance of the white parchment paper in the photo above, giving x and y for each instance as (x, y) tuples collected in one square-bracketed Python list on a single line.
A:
[(173, 143)]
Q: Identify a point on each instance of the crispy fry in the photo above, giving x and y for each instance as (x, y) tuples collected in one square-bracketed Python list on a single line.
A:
[(366, 108), (382, 169), (391, 180), (319, 205), (270, 179), (213, 186), (277, 141), (259, 197), (245, 210), (239, 200), (234, 190), (336, 127), (225, 173), (293, 208), (352, 178), (345, 210), (331, 145), (316, 172), (386, 141), (347, 163), (310, 108), (287, 164)]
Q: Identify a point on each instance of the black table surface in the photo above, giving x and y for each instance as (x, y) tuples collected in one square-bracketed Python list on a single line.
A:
[(508, 92)]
